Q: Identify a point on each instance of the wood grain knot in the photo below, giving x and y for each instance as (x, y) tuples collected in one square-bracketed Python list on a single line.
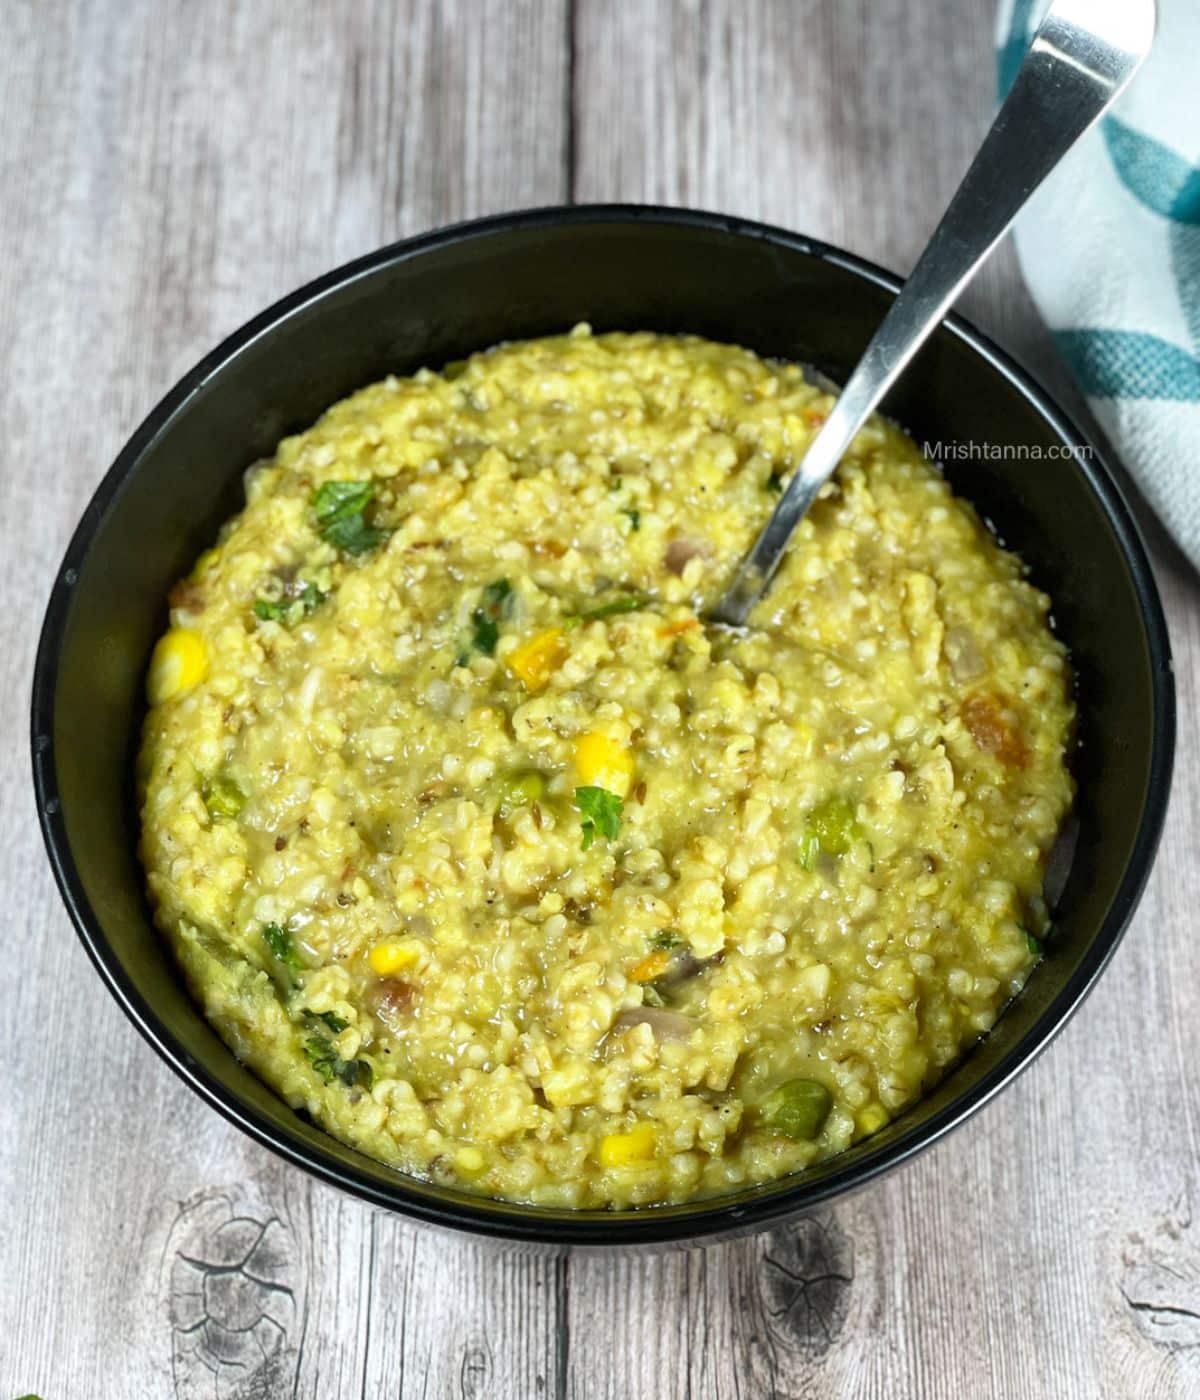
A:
[(475, 1371), (808, 1269), (1160, 1279), (232, 1299)]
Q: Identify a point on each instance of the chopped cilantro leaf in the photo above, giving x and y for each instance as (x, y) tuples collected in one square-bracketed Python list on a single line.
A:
[(311, 598), (338, 500), (485, 620), (335, 1023), (496, 596), (485, 634), (330, 1065), (340, 508), (600, 814), (775, 483), (279, 942), (665, 938), (353, 535), (288, 611), (635, 518), (1032, 943), (269, 611)]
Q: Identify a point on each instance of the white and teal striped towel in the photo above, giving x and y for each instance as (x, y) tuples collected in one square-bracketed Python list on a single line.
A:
[(1110, 249)]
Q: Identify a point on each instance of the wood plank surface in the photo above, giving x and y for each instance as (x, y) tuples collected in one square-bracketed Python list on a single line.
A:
[(1045, 1250), (167, 170)]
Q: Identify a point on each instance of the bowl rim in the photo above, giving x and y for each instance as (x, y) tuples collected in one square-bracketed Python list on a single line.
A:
[(692, 1222)]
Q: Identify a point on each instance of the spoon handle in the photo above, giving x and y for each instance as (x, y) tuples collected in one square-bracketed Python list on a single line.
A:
[(1082, 56)]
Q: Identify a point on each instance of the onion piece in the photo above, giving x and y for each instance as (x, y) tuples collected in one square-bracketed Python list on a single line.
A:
[(1060, 860), (666, 1025), (966, 661), (684, 964), (682, 550), (390, 1002)]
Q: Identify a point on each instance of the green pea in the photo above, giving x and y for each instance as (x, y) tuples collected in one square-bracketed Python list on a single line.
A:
[(520, 789), (833, 826), (223, 798), (798, 1109)]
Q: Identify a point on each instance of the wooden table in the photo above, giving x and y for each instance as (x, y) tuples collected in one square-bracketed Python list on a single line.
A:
[(170, 168)]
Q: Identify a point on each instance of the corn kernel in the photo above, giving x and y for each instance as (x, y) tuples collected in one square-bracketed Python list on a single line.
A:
[(179, 661), (623, 1149), (469, 1161), (536, 660), (872, 1118), (393, 955), (651, 966), (602, 762)]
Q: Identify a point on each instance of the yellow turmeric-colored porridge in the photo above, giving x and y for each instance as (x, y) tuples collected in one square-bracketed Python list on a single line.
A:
[(475, 842)]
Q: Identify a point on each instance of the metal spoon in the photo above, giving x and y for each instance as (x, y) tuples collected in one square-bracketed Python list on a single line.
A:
[(1082, 57)]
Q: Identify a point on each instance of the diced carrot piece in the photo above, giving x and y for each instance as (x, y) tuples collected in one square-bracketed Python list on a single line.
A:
[(651, 966), (991, 722), (536, 660)]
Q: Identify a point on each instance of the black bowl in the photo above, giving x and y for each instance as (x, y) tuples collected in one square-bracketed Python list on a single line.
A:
[(435, 299)]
